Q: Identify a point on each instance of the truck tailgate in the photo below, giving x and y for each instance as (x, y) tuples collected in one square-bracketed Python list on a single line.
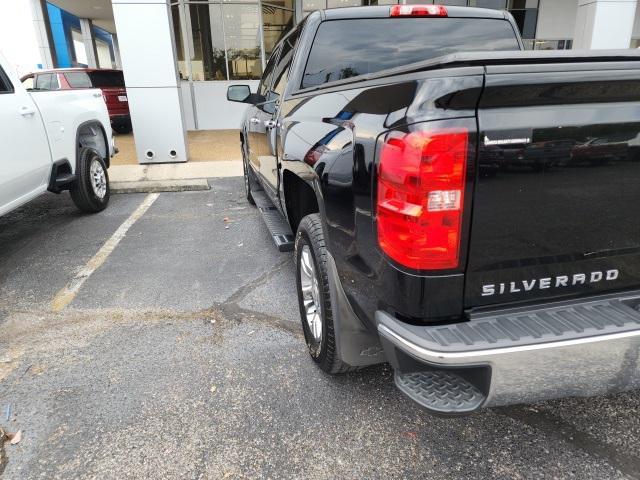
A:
[(556, 206)]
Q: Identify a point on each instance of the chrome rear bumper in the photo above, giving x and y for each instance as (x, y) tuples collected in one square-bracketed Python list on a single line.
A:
[(578, 348)]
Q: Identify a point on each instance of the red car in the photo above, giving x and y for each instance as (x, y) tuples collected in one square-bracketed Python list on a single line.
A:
[(111, 82)]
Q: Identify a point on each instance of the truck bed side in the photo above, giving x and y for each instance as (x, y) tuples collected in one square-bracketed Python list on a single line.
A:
[(557, 194), (64, 112)]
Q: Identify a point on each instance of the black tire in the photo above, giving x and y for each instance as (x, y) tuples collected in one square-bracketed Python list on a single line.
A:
[(323, 352), (82, 192), (247, 178)]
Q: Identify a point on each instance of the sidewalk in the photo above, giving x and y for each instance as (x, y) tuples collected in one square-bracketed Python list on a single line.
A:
[(212, 153)]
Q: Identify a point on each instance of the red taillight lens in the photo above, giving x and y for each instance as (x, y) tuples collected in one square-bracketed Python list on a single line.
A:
[(421, 181), (418, 11)]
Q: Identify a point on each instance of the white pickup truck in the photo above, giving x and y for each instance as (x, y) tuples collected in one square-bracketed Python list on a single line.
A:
[(55, 141)]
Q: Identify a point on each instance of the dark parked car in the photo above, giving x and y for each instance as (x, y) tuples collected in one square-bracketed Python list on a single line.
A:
[(363, 148), (111, 82)]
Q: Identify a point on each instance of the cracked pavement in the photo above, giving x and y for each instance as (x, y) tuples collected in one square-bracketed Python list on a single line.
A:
[(182, 357)]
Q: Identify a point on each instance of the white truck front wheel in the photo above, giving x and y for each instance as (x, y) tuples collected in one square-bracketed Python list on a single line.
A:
[(90, 192)]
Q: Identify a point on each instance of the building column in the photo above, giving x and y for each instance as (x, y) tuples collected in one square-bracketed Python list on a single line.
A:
[(43, 33), (89, 42), (24, 38), (116, 50), (147, 50), (603, 24)]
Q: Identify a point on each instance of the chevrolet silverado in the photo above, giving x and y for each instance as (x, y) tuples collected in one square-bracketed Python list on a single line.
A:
[(457, 207)]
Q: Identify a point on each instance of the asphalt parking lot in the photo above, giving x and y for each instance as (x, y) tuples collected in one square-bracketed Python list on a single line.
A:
[(181, 356)]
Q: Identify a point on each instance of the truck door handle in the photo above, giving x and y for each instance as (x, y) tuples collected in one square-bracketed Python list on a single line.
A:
[(254, 120), (97, 95), (27, 111), (270, 123)]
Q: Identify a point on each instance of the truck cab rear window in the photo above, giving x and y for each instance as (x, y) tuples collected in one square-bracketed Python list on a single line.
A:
[(107, 78), (348, 48)]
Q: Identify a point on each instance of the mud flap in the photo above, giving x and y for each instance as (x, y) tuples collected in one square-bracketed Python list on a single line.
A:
[(357, 345)]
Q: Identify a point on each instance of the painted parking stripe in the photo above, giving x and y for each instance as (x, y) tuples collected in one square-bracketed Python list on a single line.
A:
[(65, 296)]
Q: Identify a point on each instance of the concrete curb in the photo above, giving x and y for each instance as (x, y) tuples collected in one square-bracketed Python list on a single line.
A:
[(175, 171), (154, 186)]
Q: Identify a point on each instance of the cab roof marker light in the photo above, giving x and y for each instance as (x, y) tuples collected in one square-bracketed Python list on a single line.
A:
[(418, 11)]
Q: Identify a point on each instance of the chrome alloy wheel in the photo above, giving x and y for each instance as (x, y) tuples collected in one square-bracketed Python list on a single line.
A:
[(311, 293), (98, 178)]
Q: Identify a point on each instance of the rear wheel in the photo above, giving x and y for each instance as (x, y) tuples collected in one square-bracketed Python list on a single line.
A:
[(314, 296), (91, 191)]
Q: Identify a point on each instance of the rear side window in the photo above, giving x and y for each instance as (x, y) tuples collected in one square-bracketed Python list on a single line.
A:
[(78, 79), (347, 48), (46, 81), (107, 79)]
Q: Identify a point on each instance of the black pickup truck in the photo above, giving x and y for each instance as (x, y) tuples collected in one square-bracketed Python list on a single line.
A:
[(467, 211)]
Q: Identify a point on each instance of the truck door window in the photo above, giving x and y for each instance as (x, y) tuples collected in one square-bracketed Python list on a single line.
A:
[(44, 81), (267, 76), (281, 75), (348, 48)]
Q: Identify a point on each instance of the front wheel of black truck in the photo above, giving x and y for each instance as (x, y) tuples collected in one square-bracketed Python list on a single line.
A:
[(314, 297)]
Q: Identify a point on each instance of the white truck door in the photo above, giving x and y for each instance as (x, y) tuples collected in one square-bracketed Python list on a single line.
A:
[(25, 159)]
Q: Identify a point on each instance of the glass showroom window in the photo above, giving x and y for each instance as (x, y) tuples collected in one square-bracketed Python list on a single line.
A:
[(228, 39), (539, 44), (277, 20), (180, 45), (241, 23)]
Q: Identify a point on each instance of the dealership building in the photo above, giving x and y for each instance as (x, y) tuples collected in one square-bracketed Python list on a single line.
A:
[(179, 56)]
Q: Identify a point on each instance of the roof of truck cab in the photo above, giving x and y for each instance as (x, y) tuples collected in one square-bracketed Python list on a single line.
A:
[(66, 70), (75, 69), (383, 12)]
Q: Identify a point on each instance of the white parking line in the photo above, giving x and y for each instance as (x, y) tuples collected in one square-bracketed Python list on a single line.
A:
[(65, 296)]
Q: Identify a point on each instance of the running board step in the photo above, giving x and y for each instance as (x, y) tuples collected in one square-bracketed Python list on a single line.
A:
[(440, 392), (282, 235)]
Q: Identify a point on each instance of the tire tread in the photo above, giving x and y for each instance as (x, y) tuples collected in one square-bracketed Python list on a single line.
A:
[(330, 360), (82, 192)]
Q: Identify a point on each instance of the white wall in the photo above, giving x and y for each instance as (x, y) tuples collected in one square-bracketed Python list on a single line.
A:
[(213, 110), (557, 19)]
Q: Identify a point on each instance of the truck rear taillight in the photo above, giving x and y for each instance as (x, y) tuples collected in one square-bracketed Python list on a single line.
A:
[(418, 11), (421, 182)]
